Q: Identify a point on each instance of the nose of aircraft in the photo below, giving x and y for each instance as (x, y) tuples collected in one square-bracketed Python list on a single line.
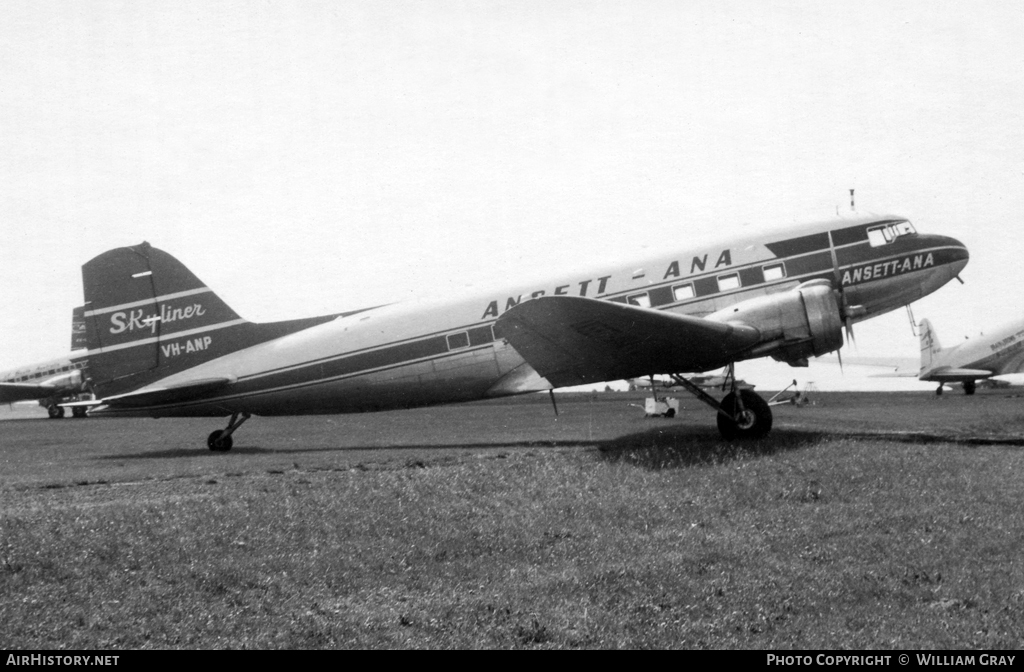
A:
[(956, 254)]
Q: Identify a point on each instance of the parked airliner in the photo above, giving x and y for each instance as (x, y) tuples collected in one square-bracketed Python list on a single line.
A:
[(53, 381), (161, 343), (996, 353)]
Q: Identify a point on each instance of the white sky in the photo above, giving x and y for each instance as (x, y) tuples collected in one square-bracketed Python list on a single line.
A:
[(310, 157)]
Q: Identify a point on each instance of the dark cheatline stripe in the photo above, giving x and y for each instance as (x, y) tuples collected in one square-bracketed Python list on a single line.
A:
[(812, 263), (705, 286), (851, 234), (857, 254), (801, 245), (364, 361), (751, 276), (661, 296), (480, 335)]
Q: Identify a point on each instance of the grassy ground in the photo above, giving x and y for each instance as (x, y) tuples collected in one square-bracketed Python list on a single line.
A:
[(862, 522)]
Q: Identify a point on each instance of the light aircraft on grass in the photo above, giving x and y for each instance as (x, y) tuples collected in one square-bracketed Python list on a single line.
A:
[(53, 381), (998, 353), (161, 343)]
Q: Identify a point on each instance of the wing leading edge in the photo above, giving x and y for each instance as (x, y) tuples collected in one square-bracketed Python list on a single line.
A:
[(574, 340)]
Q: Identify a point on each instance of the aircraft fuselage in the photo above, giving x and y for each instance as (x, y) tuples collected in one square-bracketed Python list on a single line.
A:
[(426, 352)]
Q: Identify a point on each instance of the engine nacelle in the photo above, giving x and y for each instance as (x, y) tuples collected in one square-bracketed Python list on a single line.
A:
[(803, 322)]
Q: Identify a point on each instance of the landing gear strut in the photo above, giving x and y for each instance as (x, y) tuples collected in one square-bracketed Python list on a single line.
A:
[(742, 414), (220, 440)]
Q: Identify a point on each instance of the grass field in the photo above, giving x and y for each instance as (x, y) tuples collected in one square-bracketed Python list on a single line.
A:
[(864, 521)]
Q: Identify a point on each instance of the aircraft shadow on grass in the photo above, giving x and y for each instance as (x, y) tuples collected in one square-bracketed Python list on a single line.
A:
[(659, 447), (662, 447), (680, 447), (258, 450)]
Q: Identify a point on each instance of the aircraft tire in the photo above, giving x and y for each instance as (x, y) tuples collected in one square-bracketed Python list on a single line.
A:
[(969, 387), (78, 412), (938, 392), (755, 423), (670, 413), (55, 412), (219, 443)]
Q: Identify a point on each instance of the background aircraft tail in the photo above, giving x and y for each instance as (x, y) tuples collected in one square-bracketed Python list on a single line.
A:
[(78, 337), (147, 316), (930, 347)]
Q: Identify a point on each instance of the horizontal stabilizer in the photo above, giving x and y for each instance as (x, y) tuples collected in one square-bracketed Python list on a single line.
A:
[(950, 375), (167, 394), (573, 340)]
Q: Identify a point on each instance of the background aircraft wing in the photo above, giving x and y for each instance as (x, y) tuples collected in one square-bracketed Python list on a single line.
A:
[(10, 392), (574, 340)]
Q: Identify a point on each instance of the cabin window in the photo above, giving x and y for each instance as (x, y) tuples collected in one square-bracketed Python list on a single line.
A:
[(727, 282), (642, 300), (683, 292), (459, 340), (774, 272)]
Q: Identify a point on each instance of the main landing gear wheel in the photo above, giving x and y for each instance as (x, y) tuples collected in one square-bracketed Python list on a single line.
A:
[(969, 387), (218, 442), (938, 391), (56, 412), (753, 422), (78, 412)]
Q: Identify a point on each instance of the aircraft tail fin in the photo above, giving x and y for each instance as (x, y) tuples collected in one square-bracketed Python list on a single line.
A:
[(147, 316), (930, 346), (78, 337)]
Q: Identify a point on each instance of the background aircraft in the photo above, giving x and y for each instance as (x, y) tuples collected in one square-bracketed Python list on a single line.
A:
[(707, 381), (996, 353), (54, 381), (161, 343)]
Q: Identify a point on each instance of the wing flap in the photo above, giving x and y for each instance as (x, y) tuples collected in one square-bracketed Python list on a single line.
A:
[(574, 340)]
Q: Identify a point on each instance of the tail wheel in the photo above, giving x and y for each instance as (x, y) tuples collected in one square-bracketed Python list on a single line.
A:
[(219, 443), (753, 422)]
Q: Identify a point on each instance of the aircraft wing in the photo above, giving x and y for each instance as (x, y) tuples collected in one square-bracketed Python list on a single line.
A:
[(10, 392), (951, 375), (574, 340), (155, 395)]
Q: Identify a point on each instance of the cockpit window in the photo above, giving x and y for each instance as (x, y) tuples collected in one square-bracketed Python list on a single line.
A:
[(886, 233)]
